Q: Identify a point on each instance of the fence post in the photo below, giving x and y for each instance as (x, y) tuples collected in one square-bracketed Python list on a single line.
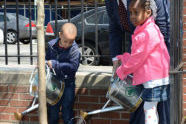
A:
[(176, 89), (41, 62)]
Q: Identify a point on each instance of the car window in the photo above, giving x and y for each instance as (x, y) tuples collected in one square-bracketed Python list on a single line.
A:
[(92, 19), (105, 18), (1, 18)]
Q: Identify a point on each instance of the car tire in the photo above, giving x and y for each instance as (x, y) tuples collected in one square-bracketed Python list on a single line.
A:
[(25, 41), (11, 37), (89, 50)]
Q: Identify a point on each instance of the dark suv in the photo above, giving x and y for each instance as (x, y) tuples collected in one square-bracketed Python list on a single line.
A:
[(90, 57)]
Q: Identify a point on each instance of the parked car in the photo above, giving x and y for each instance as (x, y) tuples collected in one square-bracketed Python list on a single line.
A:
[(1, 36), (89, 35), (24, 29)]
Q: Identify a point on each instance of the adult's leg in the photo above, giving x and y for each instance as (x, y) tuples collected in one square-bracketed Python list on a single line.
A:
[(115, 29), (138, 117), (53, 114), (164, 110), (68, 102)]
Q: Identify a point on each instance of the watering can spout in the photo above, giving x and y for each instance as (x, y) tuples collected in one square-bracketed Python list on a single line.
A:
[(18, 115), (83, 114)]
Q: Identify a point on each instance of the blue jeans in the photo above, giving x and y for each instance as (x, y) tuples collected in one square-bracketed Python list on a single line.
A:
[(66, 102)]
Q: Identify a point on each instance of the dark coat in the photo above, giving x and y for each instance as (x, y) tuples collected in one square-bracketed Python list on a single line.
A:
[(116, 31), (64, 61)]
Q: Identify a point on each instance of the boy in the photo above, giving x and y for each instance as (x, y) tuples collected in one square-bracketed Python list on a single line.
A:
[(63, 56)]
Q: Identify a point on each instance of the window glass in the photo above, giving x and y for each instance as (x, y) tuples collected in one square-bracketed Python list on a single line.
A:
[(1, 18), (92, 19), (105, 18)]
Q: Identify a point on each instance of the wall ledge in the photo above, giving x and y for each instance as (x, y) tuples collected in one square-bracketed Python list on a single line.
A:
[(86, 77)]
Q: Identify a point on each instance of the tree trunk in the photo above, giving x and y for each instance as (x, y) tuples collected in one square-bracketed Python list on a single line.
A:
[(41, 62)]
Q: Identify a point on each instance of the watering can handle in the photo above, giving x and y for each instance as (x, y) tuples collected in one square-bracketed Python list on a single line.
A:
[(31, 77), (48, 69)]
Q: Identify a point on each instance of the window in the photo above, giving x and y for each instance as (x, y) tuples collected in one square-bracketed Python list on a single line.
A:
[(1, 18), (105, 18), (92, 19)]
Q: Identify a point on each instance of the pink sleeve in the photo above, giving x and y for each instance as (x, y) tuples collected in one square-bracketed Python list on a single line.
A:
[(123, 58), (140, 50)]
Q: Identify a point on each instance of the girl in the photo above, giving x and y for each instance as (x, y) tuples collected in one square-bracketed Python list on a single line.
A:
[(149, 59)]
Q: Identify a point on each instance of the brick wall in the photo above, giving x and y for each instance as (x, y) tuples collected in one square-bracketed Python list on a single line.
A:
[(91, 89), (16, 98)]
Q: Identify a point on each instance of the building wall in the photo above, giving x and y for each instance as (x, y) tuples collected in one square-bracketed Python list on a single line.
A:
[(91, 90), (15, 98)]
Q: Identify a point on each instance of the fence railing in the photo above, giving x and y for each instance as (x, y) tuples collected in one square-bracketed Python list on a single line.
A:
[(20, 40)]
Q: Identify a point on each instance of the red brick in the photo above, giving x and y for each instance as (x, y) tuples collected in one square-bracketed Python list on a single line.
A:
[(184, 11), (88, 106), (4, 117), (184, 75), (81, 91), (18, 89), (8, 109), (100, 121), (119, 122), (184, 82), (25, 97), (184, 105), (184, 35), (184, 25), (113, 115), (98, 92), (125, 115), (3, 88), (184, 98), (90, 99), (26, 117), (103, 99), (184, 112), (4, 102), (184, 18), (34, 118), (184, 89), (19, 103), (6, 95)]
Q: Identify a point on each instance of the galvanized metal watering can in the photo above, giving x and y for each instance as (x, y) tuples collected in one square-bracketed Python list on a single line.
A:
[(121, 92)]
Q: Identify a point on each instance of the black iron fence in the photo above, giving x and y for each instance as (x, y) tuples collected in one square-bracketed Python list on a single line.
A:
[(90, 18)]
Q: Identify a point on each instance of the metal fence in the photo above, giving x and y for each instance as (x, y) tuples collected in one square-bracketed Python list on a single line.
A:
[(97, 47), (176, 52)]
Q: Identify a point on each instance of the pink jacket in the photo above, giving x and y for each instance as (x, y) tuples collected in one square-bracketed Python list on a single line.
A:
[(149, 58)]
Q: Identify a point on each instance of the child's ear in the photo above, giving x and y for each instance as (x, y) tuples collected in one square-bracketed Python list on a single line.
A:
[(149, 12)]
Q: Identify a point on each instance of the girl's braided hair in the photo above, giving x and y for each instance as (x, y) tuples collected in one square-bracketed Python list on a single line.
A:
[(147, 5)]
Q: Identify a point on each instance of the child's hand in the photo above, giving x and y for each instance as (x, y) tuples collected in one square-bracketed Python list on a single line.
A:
[(49, 63)]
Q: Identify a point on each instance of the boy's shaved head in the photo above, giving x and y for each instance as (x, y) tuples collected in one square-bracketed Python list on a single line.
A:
[(69, 30)]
